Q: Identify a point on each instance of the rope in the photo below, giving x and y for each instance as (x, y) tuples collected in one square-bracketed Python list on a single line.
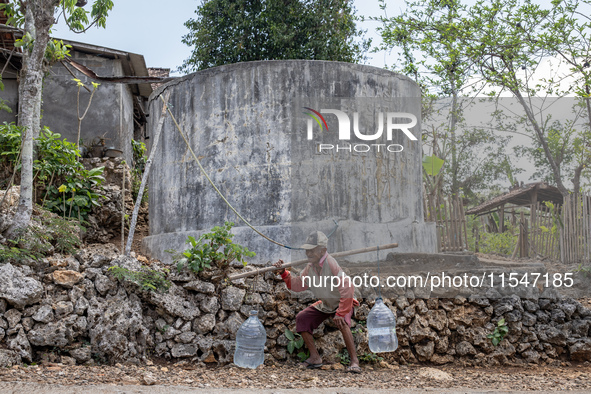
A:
[(215, 187), (379, 286)]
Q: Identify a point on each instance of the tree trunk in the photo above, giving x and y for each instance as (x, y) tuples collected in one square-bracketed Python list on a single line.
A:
[(38, 20), (542, 139), (455, 189)]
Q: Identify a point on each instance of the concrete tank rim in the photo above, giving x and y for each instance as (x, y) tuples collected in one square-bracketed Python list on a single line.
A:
[(256, 63)]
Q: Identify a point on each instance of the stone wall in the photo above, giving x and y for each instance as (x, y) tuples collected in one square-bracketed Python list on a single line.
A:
[(71, 310)]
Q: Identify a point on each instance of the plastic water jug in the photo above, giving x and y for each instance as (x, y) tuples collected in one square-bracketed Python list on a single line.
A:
[(381, 328), (250, 343)]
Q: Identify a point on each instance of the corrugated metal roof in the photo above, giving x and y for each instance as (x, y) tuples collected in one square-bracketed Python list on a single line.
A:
[(520, 196)]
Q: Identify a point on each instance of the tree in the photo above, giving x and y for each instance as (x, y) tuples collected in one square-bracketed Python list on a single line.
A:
[(426, 36), (36, 18), (568, 141), (509, 41), (231, 31)]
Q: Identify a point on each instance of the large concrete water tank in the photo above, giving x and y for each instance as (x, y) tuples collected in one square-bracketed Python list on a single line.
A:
[(264, 131)]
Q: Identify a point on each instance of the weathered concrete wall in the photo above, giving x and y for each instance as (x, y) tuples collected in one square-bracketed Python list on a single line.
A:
[(109, 114), (245, 122), (10, 95)]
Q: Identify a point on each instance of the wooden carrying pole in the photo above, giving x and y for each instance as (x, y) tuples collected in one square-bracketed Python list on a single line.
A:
[(299, 262)]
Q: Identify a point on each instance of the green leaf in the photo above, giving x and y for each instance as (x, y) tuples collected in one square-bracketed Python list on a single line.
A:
[(299, 343), (432, 165), (303, 356), (290, 347), (289, 335)]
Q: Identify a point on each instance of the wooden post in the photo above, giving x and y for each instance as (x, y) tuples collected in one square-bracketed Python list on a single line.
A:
[(502, 219), (533, 233), (523, 236), (123, 208), (465, 224), (138, 200)]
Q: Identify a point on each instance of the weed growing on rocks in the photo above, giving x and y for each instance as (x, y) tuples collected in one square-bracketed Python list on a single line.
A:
[(150, 280), (211, 249)]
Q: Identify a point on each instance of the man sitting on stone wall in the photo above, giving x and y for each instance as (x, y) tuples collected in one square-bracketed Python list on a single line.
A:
[(327, 281)]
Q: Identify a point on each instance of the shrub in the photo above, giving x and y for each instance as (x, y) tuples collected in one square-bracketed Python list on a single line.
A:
[(57, 163), (46, 233), (150, 280), (79, 191), (498, 243), (214, 248), (139, 165)]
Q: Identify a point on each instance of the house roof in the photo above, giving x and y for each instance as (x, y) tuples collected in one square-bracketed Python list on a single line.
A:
[(133, 63), (520, 196), (8, 36)]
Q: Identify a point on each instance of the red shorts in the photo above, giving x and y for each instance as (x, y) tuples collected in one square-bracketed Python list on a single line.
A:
[(310, 318)]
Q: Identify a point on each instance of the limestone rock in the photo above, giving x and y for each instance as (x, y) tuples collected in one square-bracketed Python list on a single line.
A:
[(437, 319), (27, 323), (581, 350), (176, 302), (224, 349), (116, 327), (81, 354), (434, 373), (51, 334), (185, 337), (285, 310), (63, 308), (531, 356), (464, 348), (103, 284), (183, 350), (232, 298), (148, 379), (11, 198), (17, 289), (44, 314), (8, 358), (204, 324), (210, 305), (97, 255), (230, 326), (361, 312), (81, 306), (442, 359), (417, 333), (20, 344), (67, 278), (200, 286), (426, 351), (552, 335), (13, 317)]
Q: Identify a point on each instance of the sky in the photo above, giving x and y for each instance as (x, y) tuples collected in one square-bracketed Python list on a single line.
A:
[(154, 30)]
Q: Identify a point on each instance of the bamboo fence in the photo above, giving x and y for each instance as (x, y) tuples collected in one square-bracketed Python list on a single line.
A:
[(555, 232), (449, 215)]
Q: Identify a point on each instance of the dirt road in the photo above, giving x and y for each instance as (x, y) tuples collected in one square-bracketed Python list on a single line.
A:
[(166, 378)]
